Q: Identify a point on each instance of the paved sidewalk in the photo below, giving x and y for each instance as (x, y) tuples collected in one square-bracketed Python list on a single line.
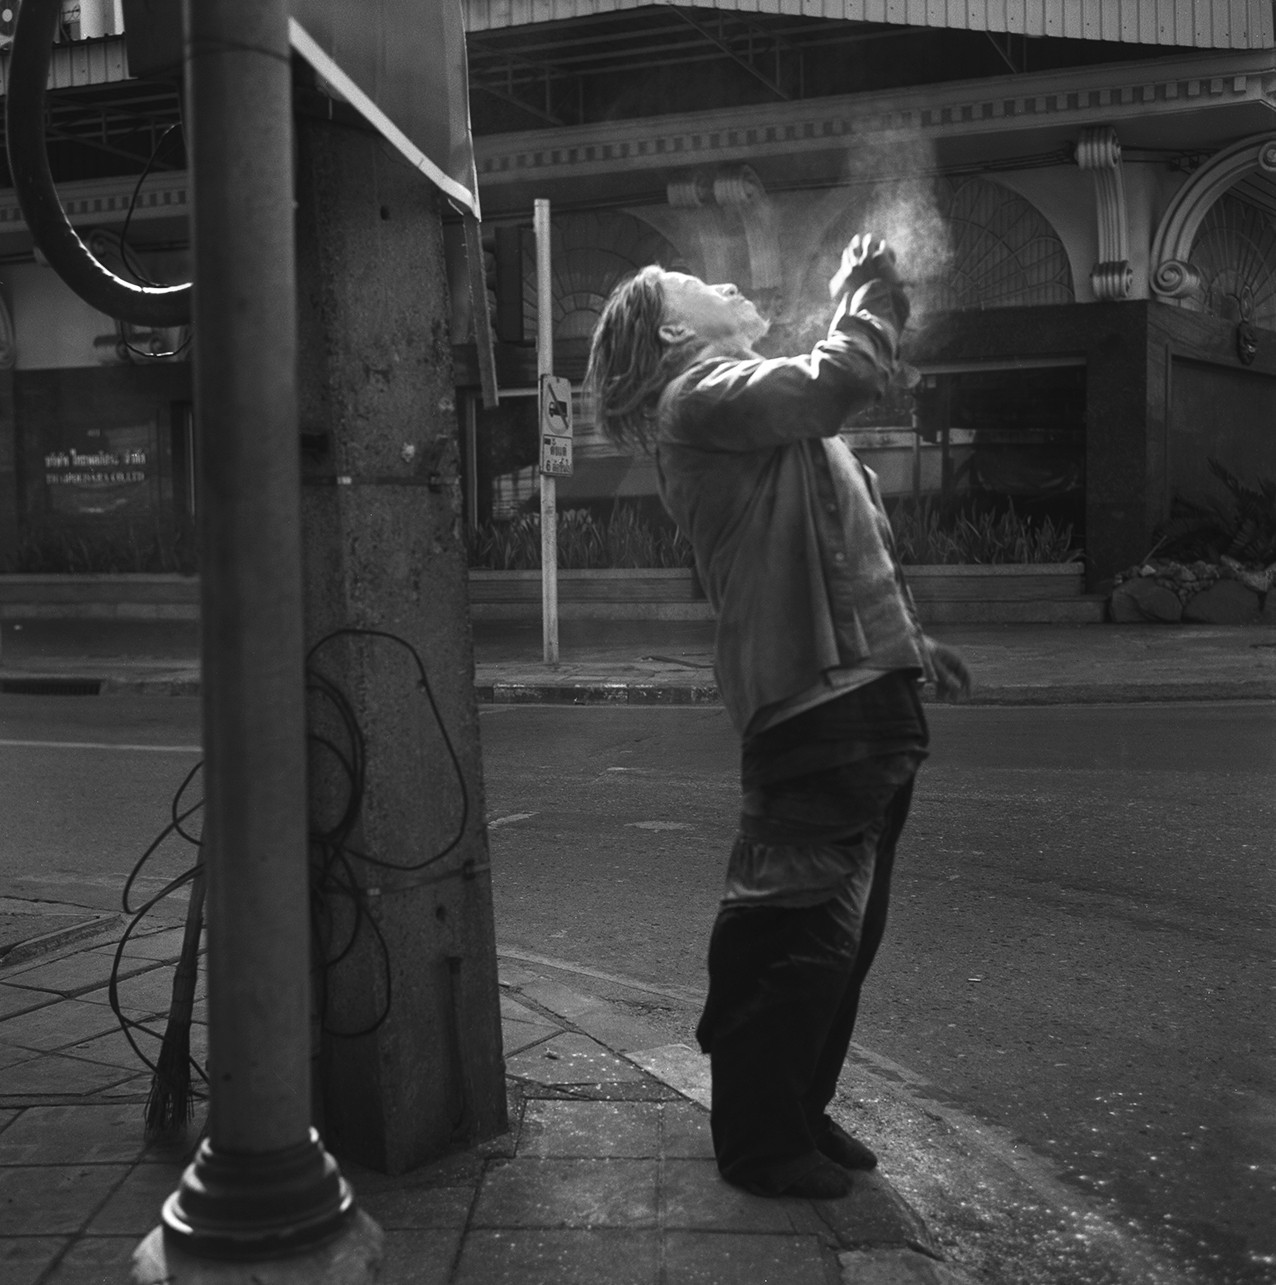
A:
[(605, 1176), (671, 662)]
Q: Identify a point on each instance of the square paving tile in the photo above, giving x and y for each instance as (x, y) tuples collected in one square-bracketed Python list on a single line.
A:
[(686, 1133), (74, 972), (419, 1257), (57, 1025), (113, 1049), (134, 1206), (703, 1258), (571, 1059), (417, 1208), (558, 998), (590, 1129), (617, 1029), (162, 945), (53, 1075), (96, 1260), (11, 1055), (24, 1258), (136, 1087), (73, 1135), (18, 999), (874, 1211), (149, 992), (511, 1008), (511, 974), (517, 1036), (696, 1197), (51, 1200), (568, 1193), (581, 1257)]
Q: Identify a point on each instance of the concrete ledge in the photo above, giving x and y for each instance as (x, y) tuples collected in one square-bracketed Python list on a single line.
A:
[(1049, 593), (99, 597)]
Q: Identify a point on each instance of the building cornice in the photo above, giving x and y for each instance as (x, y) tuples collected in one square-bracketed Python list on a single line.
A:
[(107, 200), (1069, 99)]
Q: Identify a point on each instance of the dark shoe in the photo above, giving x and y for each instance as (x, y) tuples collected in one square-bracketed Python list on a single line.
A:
[(844, 1150), (820, 1181)]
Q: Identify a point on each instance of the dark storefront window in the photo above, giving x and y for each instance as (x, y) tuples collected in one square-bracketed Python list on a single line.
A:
[(990, 442)]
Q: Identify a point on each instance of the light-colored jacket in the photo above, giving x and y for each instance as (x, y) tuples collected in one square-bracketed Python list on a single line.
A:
[(791, 541)]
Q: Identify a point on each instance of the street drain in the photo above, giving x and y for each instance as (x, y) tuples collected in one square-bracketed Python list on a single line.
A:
[(51, 686)]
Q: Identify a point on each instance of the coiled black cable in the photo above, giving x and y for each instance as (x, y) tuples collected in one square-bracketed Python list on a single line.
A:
[(334, 861)]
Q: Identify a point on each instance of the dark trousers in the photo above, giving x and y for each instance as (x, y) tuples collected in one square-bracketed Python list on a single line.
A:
[(784, 992)]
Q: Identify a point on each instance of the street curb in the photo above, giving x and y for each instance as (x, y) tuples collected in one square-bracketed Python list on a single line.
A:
[(643, 693), (46, 943), (1062, 694), (601, 693)]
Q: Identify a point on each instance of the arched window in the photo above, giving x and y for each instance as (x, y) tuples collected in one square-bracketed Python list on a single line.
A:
[(1235, 253), (1001, 251), (590, 253)]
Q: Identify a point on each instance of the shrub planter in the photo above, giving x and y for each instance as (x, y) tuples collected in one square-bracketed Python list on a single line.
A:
[(1004, 593), (104, 597), (612, 594), (1044, 592)]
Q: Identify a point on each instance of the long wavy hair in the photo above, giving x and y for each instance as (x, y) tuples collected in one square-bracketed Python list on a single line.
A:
[(630, 365)]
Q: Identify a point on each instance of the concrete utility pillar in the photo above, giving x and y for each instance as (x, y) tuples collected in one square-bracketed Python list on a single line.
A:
[(384, 552)]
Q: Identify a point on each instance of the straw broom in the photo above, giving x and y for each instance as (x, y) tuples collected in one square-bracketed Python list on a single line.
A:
[(169, 1106)]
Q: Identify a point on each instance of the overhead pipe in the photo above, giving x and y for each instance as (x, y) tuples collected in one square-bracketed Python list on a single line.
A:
[(30, 55)]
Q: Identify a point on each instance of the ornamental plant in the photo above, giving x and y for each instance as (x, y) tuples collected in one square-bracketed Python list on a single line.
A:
[(925, 534), (1241, 527)]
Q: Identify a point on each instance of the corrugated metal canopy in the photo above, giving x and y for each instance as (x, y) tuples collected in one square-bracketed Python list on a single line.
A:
[(1196, 24)]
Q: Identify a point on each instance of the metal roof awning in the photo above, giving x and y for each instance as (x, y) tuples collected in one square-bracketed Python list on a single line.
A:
[(1193, 24)]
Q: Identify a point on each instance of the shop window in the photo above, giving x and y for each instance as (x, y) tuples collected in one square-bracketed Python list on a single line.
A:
[(994, 439)]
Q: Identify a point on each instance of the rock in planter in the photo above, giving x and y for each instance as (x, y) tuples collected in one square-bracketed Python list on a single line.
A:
[(1228, 602), (1139, 600)]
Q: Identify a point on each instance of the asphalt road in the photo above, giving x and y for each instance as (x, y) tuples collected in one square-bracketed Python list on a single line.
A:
[(1079, 960), (1067, 1042)]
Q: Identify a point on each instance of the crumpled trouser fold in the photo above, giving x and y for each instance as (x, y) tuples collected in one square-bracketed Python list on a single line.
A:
[(794, 940)]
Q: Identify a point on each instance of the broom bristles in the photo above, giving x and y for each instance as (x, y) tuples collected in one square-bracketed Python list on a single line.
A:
[(170, 1104)]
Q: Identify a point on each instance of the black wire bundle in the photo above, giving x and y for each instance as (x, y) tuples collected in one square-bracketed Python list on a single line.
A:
[(334, 886), (170, 1102), (333, 872), (130, 262)]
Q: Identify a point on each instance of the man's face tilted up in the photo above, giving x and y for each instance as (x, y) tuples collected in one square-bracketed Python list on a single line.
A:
[(718, 315)]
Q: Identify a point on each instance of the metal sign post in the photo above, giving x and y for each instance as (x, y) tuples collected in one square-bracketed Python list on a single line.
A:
[(555, 432)]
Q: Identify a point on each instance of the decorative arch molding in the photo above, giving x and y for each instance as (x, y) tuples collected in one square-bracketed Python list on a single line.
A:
[(1173, 275), (592, 252), (968, 243)]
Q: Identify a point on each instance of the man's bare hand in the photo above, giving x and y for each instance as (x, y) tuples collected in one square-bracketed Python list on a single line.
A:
[(952, 678), (866, 258)]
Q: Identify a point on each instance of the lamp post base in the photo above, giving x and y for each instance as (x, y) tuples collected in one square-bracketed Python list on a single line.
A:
[(351, 1257)]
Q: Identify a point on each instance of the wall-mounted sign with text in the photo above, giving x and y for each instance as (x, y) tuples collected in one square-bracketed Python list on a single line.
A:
[(109, 476)]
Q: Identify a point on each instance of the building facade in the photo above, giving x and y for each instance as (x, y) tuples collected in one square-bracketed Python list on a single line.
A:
[(1083, 195)]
